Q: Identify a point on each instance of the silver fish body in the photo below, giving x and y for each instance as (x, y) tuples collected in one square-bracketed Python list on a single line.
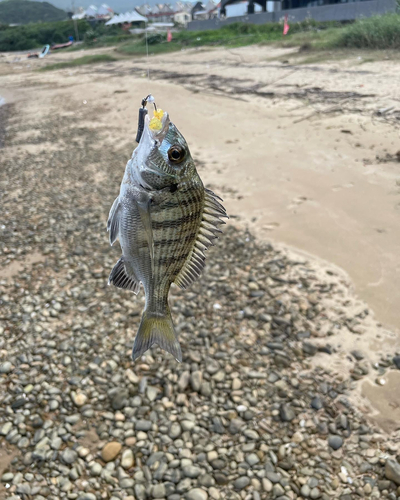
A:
[(164, 219)]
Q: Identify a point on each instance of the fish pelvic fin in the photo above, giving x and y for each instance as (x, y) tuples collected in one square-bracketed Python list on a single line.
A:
[(156, 328), (123, 276)]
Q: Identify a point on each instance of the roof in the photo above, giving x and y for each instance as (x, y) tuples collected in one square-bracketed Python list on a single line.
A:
[(104, 10), (127, 17)]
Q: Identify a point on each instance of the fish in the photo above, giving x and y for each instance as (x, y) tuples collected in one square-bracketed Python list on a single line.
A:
[(165, 220)]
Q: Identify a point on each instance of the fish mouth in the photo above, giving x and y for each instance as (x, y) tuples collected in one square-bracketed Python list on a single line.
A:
[(154, 131)]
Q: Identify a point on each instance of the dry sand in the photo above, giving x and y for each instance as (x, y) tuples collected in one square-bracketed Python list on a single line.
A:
[(304, 154)]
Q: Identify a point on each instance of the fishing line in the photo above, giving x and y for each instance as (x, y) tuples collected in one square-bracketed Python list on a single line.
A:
[(147, 52)]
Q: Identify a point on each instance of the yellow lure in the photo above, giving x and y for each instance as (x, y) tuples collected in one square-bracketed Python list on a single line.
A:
[(155, 122)]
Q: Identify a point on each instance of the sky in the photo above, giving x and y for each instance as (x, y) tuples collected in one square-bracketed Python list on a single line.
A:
[(116, 5), (129, 5)]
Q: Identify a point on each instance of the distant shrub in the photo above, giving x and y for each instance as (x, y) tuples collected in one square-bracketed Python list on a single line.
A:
[(89, 37), (380, 32), (31, 36), (155, 38)]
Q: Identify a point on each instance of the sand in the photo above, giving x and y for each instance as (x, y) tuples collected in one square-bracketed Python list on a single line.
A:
[(303, 154)]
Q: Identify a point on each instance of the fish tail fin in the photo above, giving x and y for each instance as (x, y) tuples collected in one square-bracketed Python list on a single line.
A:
[(156, 328)]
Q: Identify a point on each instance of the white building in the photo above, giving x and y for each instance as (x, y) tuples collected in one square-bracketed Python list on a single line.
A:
[(182, 18)]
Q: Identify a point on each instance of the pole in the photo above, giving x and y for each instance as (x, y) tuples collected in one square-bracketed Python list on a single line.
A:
[(75, 22)]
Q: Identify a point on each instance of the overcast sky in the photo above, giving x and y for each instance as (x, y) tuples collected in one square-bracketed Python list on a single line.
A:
[(116, 5)]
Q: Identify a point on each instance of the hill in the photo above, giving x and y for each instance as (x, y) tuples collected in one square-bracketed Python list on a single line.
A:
[(26, 11)]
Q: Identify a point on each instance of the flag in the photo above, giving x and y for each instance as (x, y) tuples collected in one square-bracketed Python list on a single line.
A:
[(285, 26), (169, 36)]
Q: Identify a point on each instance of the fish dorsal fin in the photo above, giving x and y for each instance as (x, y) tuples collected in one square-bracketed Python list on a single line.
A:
[(113, 221), (213, 212)]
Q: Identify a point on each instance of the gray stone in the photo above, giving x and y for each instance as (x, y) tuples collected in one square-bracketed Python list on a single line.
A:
[(392, 471), (183, 381), (358, 355), (241, 482), (120, 399), (174, 430), (196, 379), (140, 491), (143, 425), (5, 367), (161, 470), (24, 489), (126, 482), (158, 491), (196, 494), (205, 389), (206, 480), (277, 490), (7, 477), (87, 496), (315, 493), (23, 442), (191, 471), (335, 442), (96, 469), (235, 425), (274, 477), (69, 456), (286, 413), (252, 459), (316, 403), (184, 485), (396, 362), (305, 491), (56, 443), (5, 428)]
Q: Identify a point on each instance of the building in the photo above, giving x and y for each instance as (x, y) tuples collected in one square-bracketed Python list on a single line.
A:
[(182, 18), (273, 11), (207, 11)]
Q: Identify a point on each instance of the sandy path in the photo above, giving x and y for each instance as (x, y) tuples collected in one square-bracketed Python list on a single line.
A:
[(313, 184)]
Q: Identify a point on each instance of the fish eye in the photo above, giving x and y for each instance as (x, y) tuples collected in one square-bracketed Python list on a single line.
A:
[(176, 153)]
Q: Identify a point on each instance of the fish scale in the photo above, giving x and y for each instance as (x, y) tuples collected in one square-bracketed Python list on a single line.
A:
[(164, 219)]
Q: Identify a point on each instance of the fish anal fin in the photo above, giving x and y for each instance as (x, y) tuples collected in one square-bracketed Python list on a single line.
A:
[(123, 276), (113, 221), (207, 233)]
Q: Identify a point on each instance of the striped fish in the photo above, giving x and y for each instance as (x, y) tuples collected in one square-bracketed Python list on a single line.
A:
[(164, 219)]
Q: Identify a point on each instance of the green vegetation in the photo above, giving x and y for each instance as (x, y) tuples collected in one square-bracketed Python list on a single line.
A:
[(80, 61), (381, 32), (232, 35), (26, 11), (32, 36), (377, 33)]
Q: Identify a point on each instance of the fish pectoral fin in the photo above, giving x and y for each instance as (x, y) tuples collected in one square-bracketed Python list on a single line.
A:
[(212, 213), (156, 329), (123, 276), (145, 216), (113, 220)]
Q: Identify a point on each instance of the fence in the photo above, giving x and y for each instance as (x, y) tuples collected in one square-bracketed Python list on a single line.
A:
[(336, 12)]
